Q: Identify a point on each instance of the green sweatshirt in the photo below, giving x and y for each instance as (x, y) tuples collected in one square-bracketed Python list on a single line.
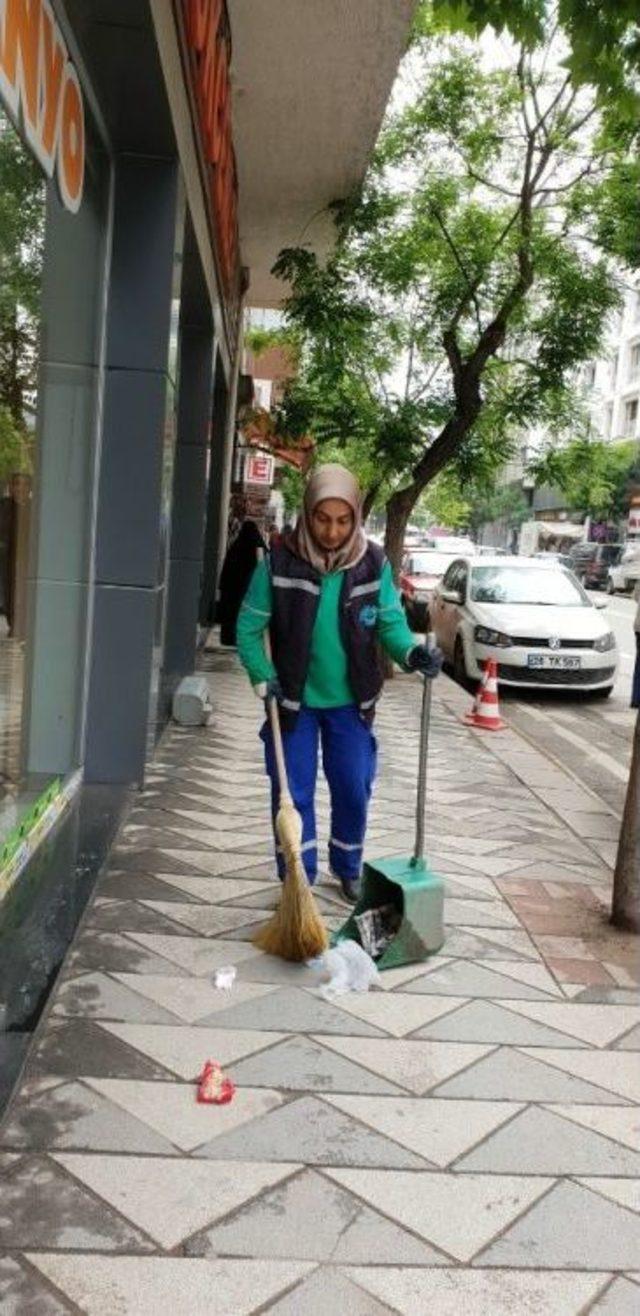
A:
[(327, 684)]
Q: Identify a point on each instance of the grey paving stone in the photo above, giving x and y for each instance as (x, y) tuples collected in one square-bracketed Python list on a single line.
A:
[(82, 1047), (510, 1076), (329, 1293), (138, 886), (74, 1117), (630, 1042), (21, 1294), (622, 1298), (459, 978), (466, 945), (42, 1207), (109, 952), (309, 1131), (301, 1065), (570, 1227), (539, 1142), (311, 1219), (95, 994), (292, 1010), (483, 1021), (131, 916)]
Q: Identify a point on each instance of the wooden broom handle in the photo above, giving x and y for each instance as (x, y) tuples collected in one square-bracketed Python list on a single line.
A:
[(276, 730), (283, 783)]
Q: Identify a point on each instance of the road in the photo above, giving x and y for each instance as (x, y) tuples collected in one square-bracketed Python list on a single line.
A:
[(592, 737)]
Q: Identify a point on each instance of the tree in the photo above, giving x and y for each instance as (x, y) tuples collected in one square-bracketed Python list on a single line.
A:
[(459, 298), (594, 476), (14, 449), (21, 244)]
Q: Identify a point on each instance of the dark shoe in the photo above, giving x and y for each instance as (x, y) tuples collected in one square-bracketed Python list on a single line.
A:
[(350, 888)]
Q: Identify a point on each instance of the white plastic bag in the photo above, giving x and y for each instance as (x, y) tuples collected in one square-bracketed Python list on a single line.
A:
[(348, 969)]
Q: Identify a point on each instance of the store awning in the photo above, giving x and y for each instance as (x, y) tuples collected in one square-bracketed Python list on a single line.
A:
[(311, 80)]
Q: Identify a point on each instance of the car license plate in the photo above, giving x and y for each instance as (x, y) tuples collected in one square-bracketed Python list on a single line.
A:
[(558, 661)]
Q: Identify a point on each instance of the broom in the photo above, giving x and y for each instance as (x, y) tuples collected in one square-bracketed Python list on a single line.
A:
[(296, 931)]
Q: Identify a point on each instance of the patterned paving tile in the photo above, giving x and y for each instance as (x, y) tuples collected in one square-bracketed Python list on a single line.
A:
[(189, 999), (396, 1012), (539, 1142), (458, 1214), (42, 1207), (112, 952), (173, 1198), (626, 1192), (72, 1116), (296, 1011), (487, 1021), (205, 920), (440, 1131), (21, 1293), (571, 1227), (167, 1286), (311, 1132), (622, 1123), (598, 1025), (171, 1111), (460, 978), (615, 1071), (510, 1075), (313, 1220), (328, 1290), (480, 1292), (75, 1046), (416, 1066), (620, 1299), (182, 1050), (197, 955), (303, 1064)]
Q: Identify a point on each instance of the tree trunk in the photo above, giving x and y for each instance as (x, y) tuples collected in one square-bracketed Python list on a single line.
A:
[(625, 908), (369, 499), (399, 508)]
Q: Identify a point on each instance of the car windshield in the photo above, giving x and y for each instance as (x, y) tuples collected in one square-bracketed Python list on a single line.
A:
[(611, 553), (542, 586), (428, 564)]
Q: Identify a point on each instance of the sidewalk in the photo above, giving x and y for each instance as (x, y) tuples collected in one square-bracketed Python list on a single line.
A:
[(465, 1139)]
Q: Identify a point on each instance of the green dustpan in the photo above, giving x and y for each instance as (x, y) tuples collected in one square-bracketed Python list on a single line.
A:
[(407, 883)]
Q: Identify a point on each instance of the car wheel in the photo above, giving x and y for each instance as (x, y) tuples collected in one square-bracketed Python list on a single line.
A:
[(459, 663)]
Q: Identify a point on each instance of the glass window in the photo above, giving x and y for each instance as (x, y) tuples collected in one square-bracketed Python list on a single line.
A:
[(542, 586), (631, 413), (634, 361)]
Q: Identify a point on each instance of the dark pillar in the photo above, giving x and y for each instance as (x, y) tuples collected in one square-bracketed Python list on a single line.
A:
[(215, 509), (133, 506), (189, 497)]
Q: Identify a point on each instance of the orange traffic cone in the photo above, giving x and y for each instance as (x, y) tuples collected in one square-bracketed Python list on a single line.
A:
[(485, 713)]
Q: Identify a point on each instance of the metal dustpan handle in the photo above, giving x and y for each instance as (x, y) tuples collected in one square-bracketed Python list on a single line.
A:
[(421, 797)]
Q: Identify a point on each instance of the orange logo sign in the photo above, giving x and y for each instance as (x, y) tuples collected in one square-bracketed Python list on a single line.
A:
[(40, 88), (208, 40)]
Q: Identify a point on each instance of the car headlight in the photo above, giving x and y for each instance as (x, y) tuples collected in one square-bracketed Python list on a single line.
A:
[(605, 642), (495, 638)]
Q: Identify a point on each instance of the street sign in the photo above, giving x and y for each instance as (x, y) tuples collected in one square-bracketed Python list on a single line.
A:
[(258, 468)]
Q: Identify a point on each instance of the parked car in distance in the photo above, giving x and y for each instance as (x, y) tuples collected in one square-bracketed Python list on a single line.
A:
[(420, 572), (625, 574), (534, 618), (458, 544), (561, 559), (591, 563)]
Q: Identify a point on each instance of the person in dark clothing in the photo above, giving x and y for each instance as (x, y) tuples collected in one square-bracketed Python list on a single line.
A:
[(239, 565)]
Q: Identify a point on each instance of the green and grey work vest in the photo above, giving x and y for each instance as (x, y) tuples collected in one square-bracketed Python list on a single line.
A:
[(296, 589)]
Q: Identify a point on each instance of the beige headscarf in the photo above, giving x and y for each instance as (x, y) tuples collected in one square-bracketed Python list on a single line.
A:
[(330, 481)]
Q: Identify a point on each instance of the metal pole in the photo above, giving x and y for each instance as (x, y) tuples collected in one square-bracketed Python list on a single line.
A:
[(425, 718)]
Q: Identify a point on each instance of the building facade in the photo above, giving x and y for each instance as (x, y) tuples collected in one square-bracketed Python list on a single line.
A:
[(179, 145)]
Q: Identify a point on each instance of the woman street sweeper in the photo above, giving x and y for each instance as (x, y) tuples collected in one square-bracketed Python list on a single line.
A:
[(327, 596)]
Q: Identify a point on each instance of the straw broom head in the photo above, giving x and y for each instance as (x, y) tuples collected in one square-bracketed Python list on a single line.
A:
[(296, 931)]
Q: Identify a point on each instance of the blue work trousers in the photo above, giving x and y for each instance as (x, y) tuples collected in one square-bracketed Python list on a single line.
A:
[(349, 755)]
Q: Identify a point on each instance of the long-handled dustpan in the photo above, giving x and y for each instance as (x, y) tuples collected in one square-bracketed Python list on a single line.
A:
[(406, 882), (296, 931)]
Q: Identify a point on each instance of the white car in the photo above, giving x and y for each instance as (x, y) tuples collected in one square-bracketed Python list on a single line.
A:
[(625, 575), (534, 618)]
